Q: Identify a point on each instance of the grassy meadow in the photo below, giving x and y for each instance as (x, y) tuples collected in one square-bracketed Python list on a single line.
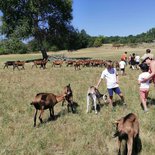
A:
[(69, 134)]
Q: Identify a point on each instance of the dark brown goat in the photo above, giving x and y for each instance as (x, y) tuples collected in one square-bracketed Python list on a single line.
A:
[(43, 101), (127, 128), (8, 63)]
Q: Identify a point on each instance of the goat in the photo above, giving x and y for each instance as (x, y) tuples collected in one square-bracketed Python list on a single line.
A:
[(41, 63), (57, 63), (69, 63), (8, 63), (43, 101), (94, 94), (17, 64), (127, 128)]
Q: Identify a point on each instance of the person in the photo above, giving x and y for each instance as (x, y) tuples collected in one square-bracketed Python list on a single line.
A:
[(122, 65), (132, 61), (129, 59), (137, 61), (124, 57), (147, 54), (111, 77), (151, 63), (144, 86)]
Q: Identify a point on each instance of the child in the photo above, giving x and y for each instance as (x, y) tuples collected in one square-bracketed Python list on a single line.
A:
[(122, 65), (111, 77), (144, 86)]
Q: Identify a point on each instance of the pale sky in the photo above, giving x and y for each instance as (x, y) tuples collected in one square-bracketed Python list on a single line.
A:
[(114, 17)]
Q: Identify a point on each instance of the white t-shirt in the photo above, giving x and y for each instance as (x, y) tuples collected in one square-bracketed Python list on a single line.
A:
[(141, 77), (137, 58), (110, 76), (122, 64)]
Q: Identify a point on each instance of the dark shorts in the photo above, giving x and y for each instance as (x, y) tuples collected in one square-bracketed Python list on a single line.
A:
[(116, 90), (123, 69)]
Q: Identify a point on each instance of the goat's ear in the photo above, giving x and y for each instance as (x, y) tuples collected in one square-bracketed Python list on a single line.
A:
[(69, 84)]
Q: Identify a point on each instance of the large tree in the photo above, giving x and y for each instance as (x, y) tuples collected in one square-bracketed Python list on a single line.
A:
[(43, 20)]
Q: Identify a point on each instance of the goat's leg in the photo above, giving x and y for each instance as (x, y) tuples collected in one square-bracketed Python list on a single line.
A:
[(35, 117), (50, 113), (119, 146), (129, 144), (52, 110), (14, 67), (88, 100), (68, 105), (40, 116), (71, 105), (18, 67), (95, 105), (63, 102)]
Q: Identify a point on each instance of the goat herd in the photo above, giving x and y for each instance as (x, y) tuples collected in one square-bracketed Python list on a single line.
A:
[(127, 128), (77, 64)]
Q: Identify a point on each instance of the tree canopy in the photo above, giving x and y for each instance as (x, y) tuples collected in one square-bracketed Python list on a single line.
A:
[(43, 20)]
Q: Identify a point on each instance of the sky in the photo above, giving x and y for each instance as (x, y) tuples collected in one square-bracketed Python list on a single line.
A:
[(114, 17)]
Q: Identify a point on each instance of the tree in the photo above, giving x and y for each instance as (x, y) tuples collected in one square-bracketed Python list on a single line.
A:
[(98, 41), (43, 20)]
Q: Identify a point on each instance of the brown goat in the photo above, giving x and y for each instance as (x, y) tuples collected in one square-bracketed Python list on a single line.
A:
[(43, 101), (17, 64), (41, 63), (57, 63), (127, 128)]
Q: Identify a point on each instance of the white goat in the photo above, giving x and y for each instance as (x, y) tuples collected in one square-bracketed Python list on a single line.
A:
[(94, 94)]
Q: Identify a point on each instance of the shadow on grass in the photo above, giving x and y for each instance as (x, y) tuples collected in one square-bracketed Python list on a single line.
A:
[(60, 114), (150, 101), (118, 103)]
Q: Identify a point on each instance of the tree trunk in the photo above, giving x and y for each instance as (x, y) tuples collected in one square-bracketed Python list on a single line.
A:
[(44, 53)]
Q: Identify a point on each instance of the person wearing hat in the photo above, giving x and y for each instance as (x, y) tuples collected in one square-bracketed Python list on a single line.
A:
[(151, 63)]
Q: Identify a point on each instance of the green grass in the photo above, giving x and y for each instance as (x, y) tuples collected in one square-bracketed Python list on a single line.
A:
[(69, 134)]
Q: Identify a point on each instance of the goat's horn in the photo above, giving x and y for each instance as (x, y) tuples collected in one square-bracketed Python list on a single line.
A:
[(115, 122)]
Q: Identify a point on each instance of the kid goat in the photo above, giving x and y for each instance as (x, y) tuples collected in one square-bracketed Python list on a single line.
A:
[(43, 101), (127, 128)]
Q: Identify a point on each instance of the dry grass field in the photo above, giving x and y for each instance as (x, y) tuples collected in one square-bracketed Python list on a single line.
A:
[(68, 134)]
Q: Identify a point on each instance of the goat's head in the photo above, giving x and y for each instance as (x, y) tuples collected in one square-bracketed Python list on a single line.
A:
[(120, 130), (68, 91)]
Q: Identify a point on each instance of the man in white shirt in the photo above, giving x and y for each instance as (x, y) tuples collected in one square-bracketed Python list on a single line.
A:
[(111, 77)]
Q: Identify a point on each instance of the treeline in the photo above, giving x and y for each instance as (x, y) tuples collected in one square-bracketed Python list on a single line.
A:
[(74, 40)]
